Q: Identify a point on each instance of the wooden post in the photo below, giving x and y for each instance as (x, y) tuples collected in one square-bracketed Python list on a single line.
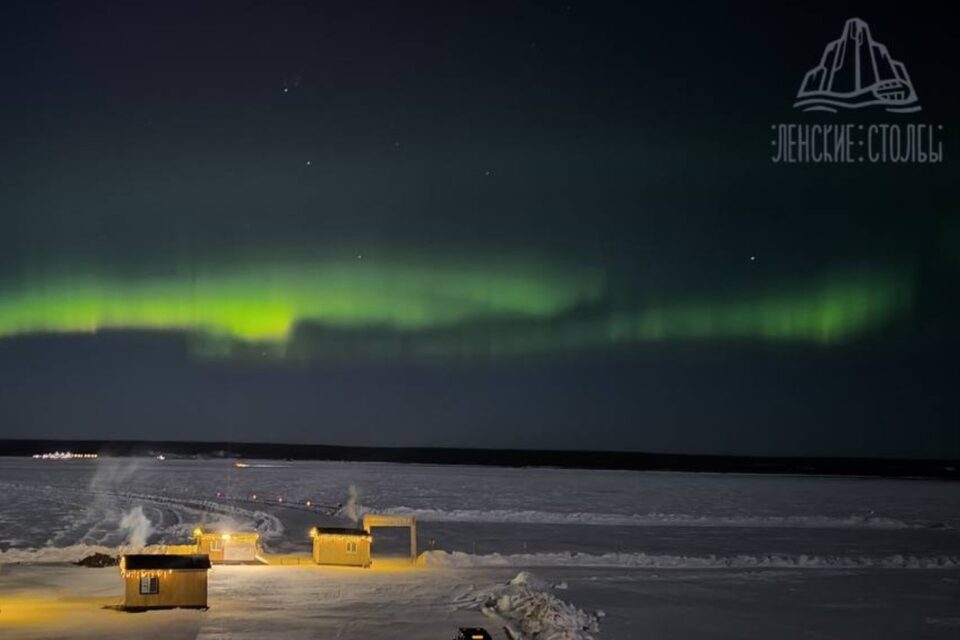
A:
[(413, 540)]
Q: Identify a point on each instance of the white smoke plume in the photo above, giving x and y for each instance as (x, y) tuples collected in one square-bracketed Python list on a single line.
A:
[(112, 479), (352, 509), (114, 474), (137, 527)]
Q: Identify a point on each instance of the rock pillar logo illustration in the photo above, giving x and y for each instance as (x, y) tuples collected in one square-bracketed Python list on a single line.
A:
[(856, 72), (857, 75)]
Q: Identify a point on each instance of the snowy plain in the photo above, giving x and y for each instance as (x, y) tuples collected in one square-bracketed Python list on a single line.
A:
[(551, 553)]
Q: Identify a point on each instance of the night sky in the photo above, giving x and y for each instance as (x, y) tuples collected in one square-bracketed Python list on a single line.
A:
[(491, 224)]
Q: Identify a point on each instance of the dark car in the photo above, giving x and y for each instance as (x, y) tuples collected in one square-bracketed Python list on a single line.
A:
[(472, 633)]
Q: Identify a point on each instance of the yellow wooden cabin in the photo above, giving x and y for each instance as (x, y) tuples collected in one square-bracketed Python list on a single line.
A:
[(335, 545), (228, 547), (155, 581)]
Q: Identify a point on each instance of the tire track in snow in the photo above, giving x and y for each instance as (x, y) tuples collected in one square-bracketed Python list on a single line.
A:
[(104, 504)]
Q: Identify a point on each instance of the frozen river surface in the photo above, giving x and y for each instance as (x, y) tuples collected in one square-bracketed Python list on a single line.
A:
[(661, 555)]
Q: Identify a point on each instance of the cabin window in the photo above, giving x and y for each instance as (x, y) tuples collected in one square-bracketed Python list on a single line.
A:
[(216, 545), (351, 547), (149, 585)]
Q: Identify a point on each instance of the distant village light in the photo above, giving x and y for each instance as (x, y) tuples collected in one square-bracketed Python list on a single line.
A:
[(65, 455)]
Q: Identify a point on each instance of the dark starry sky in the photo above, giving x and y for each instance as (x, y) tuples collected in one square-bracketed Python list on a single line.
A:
[(437, 154)]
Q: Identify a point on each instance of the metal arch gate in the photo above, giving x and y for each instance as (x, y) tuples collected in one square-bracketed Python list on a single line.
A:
[(371, 520)]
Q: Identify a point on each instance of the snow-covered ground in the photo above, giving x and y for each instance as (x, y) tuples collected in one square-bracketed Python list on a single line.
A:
[(549, 553)]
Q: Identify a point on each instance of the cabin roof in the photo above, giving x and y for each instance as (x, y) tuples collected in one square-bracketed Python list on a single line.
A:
[(242, 535), (137, 561), (341, 531)]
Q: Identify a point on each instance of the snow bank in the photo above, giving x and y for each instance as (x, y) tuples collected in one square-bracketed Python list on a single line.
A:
[(656, 519), (642, 560), (531, 612), (72, 553)]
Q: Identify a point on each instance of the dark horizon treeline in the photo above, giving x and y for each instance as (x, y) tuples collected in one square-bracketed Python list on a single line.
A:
[(570, 459)]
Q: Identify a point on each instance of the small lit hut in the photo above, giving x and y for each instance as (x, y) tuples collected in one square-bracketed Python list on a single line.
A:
[(155, 581), (228, 547), (334, 545)]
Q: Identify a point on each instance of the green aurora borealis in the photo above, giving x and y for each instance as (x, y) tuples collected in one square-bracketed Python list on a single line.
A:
[(462, 307), (495, 225), (263, 302)]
